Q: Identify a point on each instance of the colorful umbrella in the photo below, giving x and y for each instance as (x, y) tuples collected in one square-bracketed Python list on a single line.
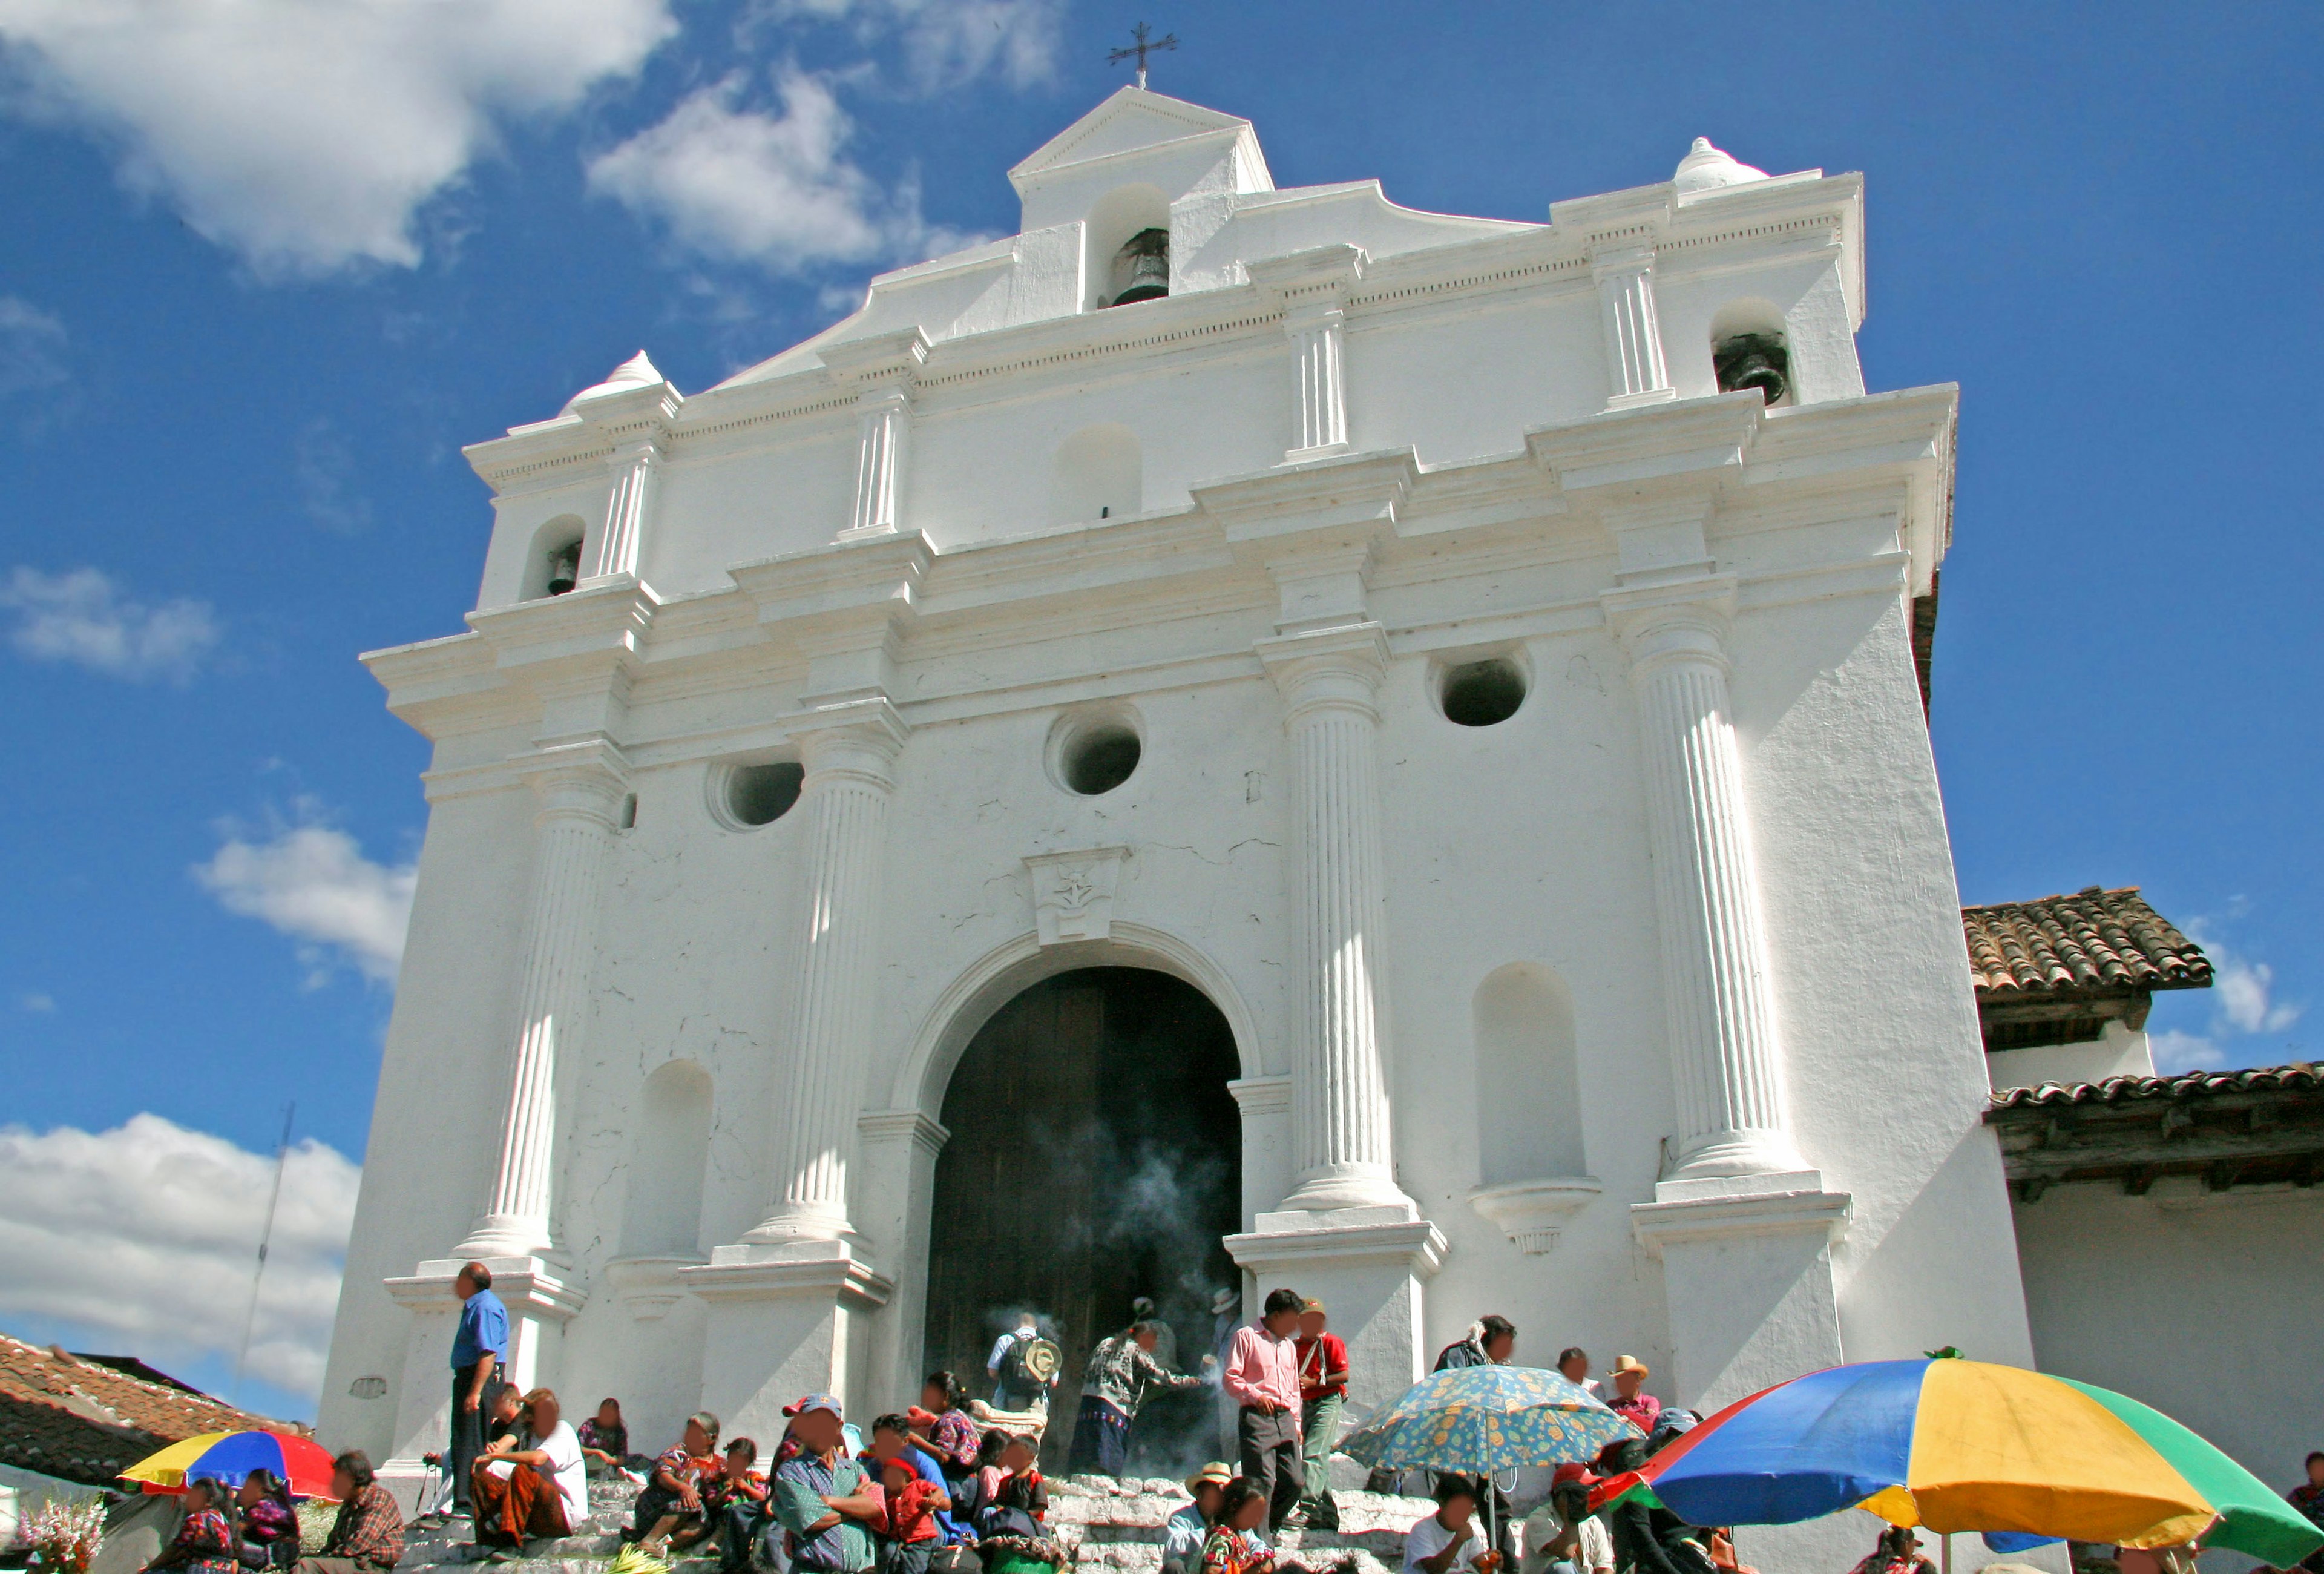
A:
[(1486, 1418), (231, 1456), (1959, 1445)]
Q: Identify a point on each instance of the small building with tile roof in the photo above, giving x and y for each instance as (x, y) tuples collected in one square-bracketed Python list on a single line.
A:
[(85, 1418), (2064, 984), (2162, 1222)]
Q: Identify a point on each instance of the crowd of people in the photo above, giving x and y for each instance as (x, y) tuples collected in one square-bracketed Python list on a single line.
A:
[(830, 1499)]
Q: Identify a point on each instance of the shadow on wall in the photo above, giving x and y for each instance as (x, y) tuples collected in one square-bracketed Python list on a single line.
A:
[(670, 1145), (1528, 1079)]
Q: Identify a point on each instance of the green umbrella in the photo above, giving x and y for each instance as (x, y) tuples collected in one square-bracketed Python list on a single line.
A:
[(2252, 1518)]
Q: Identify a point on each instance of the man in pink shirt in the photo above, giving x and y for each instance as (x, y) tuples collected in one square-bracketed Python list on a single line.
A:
[(1262, 1374)]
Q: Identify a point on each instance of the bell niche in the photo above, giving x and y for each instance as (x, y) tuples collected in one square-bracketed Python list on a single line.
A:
[(1141, 268)]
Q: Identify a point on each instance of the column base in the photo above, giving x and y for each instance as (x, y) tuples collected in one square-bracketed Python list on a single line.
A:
[(1367, 1265), (1746, 1275), (785, 1320), (1739, 1154), (539, 1304), (505, 1235), (1645, 396)]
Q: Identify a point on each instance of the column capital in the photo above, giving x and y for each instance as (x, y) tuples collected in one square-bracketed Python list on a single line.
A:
[(1328, 668), (580, 780), (1614, 255), (882, 364), (1686, 619), (857, 738), (1311, 282)]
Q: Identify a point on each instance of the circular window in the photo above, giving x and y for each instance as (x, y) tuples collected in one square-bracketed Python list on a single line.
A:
[(1095, 754), (1481, 693), (756, 795)]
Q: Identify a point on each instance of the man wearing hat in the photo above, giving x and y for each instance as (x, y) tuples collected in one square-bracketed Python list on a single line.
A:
[(1631, 1401), (1226, 1315), (1183, 1532), (820, 1498), (1323, 1359), (1562, 1536)]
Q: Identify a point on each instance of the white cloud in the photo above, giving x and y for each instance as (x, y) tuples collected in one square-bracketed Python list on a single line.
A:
[(324, 467), (305, 135), (948, 43), (2244, 989), (148, 1235), (32, 348), (2176, 1051), (314, 885), (82, 617), (2242, 1004), (741, 184), (35, 1000)]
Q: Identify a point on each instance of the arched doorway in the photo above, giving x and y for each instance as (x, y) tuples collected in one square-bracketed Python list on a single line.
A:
[(1095, 1156)]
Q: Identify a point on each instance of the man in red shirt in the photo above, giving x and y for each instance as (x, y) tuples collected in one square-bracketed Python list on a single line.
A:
[(1323, 1359)]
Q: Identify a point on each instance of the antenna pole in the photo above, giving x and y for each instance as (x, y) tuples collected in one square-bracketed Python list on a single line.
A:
[(265, 1237)]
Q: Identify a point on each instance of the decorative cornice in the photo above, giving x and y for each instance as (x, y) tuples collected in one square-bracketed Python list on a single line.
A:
[(922, 1131)]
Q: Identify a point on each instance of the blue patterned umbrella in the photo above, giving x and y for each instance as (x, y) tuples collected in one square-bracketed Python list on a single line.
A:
[(1486, 1419)]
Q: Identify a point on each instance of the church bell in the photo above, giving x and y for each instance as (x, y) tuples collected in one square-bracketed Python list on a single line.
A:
[(1754, 360), (565, 569), (1143, 264)]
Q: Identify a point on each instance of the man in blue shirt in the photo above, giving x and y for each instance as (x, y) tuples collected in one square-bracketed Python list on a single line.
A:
[(479, 1356)]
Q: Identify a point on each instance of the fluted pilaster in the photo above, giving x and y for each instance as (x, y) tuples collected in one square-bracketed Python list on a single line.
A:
[(621, 543), (1341, 1134), (1634, 371), (1718, 1005), (850, 780), (572, 829), (883, 433), (1317, 336)]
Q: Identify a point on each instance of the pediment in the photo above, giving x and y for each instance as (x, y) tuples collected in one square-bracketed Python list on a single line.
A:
[(1131, 121)]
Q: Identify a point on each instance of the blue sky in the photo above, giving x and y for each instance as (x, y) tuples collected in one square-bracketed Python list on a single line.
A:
[(268, 267)]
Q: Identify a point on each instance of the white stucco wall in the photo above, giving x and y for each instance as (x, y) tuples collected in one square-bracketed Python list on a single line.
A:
[(1475, 371), (2200, 1304)]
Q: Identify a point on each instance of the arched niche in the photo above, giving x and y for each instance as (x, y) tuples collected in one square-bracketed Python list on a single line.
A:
[(1528, 1078), (1113, 218), (1749, 341), (556, 545), (1097, 473), (669, 1145)]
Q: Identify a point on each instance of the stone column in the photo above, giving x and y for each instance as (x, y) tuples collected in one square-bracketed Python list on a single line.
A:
[(1635, 372), (628, 509), (882, 372), (883, 435), (1312, 288), (579, 802), (1720, 1009), (1340, 1111), (850, 761), (1315, 333)]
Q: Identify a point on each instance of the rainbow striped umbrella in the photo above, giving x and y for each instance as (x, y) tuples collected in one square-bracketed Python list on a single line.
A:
[(302, 1462), (1959, 1445)]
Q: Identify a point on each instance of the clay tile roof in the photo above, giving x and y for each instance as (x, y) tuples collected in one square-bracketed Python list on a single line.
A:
[(82, 1421), (2093, 942), (2300, 1077)]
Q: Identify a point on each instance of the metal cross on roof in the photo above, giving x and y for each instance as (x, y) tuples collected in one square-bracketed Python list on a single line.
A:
[(1147, 43)]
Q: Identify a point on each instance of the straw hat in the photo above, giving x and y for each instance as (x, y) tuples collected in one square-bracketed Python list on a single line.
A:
[(1226, 1301), (1214, 1474), (1628, 1363)]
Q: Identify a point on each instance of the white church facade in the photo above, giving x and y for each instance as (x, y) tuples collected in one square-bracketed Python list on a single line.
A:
[(1393, 690)]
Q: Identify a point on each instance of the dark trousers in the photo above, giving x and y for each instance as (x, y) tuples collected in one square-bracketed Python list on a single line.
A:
[(1269, 1448), (906, 1557), (736, 1531), (468, 1428)]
